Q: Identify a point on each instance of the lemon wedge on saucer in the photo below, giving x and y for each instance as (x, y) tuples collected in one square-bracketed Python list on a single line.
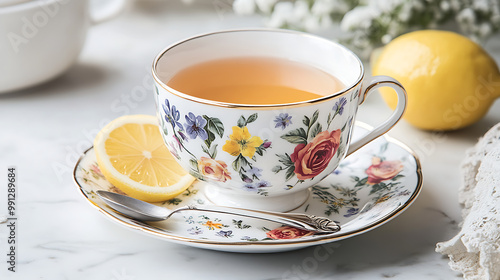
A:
[(133, 157)]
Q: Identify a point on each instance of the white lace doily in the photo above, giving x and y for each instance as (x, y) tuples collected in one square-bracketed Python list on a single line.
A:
[(475, 250)]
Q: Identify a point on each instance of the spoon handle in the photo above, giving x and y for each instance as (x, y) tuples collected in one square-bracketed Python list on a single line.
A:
[(303, 221)]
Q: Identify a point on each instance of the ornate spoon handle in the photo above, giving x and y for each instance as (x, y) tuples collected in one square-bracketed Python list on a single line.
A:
[(319, 225)]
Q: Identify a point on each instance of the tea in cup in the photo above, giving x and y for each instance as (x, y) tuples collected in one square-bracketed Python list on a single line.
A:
[(262, 115)]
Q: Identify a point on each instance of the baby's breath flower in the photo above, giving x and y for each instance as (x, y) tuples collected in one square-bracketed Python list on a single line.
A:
[(266, 6), (244, 7), (371, 23)]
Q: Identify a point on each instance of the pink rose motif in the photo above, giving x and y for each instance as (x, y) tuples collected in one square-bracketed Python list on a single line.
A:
[(313, 158), (287, 232), (95, 170), (213, 169), (383, 170)]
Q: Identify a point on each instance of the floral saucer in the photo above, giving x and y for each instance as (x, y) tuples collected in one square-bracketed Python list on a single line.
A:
[(369, 188)]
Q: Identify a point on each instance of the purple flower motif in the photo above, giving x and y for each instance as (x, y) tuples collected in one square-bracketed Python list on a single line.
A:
[(254, 171), (250, 187), (351, 211), (283, 120), (183, 136), (266, 144), (404, 193), (172, 115), (194, 126), (226, 234), (263, 184), (195, 231), (338, 108), (247, 179)]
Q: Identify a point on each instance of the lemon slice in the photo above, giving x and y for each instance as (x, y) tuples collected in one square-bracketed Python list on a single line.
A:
[(132, 156)]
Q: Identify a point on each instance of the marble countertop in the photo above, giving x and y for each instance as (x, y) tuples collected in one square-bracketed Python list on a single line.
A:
[(59, 236)]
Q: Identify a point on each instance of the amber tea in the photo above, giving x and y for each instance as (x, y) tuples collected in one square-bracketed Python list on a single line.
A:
[(255, 80)]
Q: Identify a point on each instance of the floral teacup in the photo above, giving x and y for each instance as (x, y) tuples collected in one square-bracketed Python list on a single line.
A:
[(264, 156)]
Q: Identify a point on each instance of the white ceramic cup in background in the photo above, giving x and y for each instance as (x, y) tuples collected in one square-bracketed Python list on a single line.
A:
[(41, 39), (5, 3), (248, 160)]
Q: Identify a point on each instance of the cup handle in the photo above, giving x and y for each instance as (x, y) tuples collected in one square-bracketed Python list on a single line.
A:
[(375, 83), (112, 9)]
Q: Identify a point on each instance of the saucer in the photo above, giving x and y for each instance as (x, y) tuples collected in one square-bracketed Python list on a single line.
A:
[(369, 188)]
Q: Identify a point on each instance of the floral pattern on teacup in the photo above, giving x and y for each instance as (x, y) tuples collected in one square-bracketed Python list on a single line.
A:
[(241, 144), (315, 146)]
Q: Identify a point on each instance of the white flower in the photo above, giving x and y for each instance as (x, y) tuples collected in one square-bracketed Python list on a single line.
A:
[(444, 5), (325, 7), (418, 6), (311, 23), (300, 10), (455, 5), (466, 16), (386, 39), (326, 22), (280, 15), (405, 13), (359, 16), (244, 7), (485, 30), (481, 5), (385, 6), (265, 5)]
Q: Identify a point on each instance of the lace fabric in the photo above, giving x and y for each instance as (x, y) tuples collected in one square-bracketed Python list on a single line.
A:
[(475, 250)]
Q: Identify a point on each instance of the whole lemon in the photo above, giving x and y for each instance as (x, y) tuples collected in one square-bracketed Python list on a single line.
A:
[(450, 80)]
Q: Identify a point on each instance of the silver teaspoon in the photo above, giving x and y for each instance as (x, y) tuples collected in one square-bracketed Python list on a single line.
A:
[(144, 211)]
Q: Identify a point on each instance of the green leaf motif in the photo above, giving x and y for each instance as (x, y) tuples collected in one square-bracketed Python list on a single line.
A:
[(210, 139), (174, 201), (395, 178), (314, 117), (213, 151), (205, 150), (237, 164), (242, 122), (286, 160), (259, 150), (194, 164), (277, 169), (316, 130), (343, 128), (239, 224), (306, 121), (383, 148), (290, 172), (214, 125), (378, 187), (361, 182), (297, 136), (252, 118)]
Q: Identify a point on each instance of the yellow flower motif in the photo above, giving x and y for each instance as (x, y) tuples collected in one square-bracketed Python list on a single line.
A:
[(212, 226), (241, 142)]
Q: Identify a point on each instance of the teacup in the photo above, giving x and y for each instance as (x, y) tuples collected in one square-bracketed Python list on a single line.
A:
[(41, 39), (285, 161)]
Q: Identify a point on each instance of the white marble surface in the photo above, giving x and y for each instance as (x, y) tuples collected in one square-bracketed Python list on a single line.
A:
[(60, 236)]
